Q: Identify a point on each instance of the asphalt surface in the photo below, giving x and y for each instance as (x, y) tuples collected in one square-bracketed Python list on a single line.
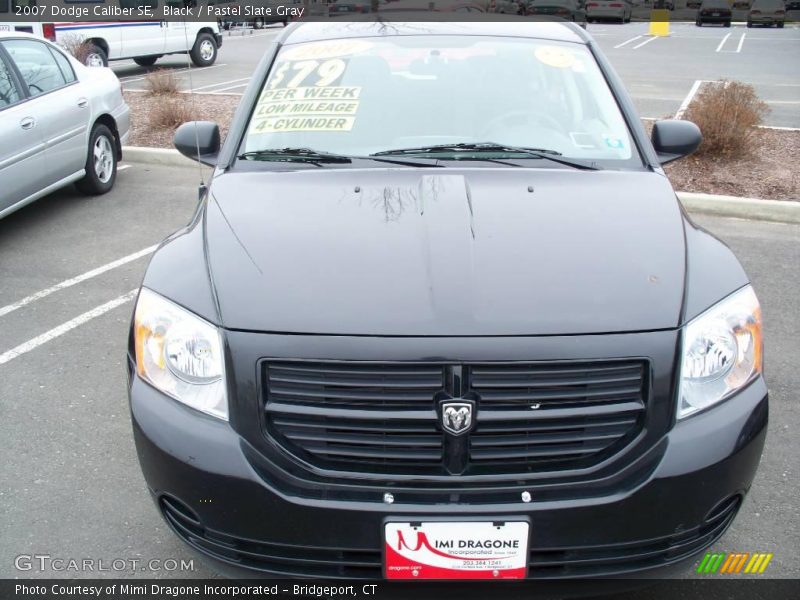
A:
[(71, 484), (660, 73)]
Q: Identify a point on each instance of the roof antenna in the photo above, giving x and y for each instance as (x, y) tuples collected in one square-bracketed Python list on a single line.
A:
[(202, 188)]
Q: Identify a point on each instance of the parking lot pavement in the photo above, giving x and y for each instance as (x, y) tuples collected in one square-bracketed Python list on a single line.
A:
[(72, 487), (660, 73)]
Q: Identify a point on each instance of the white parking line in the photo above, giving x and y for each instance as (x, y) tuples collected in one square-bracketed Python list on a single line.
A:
[(47, 336), (625, 43), (722, 43), (688, 99), (75, 280), (233, 87), (741, 41), (647, 41), (132, 78), (123, 167), (211, 85)]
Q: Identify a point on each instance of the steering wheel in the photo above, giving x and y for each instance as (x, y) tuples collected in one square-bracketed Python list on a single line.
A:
[(526, 116)]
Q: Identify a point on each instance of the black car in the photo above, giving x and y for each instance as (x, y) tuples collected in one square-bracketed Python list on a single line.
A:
[(439, 314), (714, 11)]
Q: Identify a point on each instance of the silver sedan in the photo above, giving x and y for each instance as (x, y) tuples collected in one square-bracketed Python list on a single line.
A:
[(60, 122)]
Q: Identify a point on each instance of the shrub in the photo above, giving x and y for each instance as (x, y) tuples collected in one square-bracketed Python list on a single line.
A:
[(727, 113), (76, 46), (161, 81), (170, 112)]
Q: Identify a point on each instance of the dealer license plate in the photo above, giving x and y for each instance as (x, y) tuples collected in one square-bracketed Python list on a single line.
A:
[(456, 550)]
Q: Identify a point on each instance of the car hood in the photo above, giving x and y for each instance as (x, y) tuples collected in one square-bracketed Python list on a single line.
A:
[(446, 252)]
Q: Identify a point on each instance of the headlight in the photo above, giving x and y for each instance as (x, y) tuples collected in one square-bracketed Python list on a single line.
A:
[(180, 354), (722, 352)]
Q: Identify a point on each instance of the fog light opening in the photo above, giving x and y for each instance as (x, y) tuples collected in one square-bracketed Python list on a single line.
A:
[(724, 508), (173, 507)]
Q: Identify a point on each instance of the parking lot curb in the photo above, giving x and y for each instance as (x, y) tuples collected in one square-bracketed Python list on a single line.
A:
[(782, 211), (713, 204), (156, 156)]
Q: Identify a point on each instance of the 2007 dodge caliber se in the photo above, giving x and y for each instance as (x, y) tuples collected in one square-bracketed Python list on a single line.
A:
[(439, 315)]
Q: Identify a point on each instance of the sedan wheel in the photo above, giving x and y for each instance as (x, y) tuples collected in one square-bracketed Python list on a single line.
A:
[(103, 159), (101, 162)]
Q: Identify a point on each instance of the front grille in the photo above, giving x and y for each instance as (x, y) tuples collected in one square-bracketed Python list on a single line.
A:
[(551, 413), (382, 417)]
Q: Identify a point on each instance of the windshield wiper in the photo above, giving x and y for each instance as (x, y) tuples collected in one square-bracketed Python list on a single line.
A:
[(309, 155), (490, 147), (305, 155)]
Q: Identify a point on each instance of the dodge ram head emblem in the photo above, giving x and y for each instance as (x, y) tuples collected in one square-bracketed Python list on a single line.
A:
[(457, 417)]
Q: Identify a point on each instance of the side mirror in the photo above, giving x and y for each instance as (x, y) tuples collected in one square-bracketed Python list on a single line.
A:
[(674, 139), (198, 140)]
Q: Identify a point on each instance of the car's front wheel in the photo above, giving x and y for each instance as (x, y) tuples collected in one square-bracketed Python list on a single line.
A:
[(204, 52), (101, 162), (780, 25)]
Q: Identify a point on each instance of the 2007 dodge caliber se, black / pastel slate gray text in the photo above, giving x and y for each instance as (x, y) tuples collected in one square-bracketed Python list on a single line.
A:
[(440, 315)]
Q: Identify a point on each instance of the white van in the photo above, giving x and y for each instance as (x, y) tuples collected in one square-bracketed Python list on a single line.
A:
[(97, 42)]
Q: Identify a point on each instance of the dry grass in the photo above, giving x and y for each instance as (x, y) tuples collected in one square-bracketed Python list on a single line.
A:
[(76, 46), (170, 112), (161, 81), (728, 113)]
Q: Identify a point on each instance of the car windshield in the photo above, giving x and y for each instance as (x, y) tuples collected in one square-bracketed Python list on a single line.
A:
[(715, 4), (361, 96)]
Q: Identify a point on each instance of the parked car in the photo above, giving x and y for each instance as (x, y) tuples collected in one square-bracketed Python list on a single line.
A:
[(506, 7), (275, 15), (341, 8), (568, 10), (616, 10), (421, 6), (435, 325), (60, 122), (143, 41), (714, 11), (767, 12)]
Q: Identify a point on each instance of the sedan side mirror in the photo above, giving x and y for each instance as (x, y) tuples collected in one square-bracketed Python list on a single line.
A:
[(674, 139), (198, 140)]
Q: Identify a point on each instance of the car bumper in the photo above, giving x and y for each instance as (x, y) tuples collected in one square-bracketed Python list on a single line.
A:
[(605, 13), (202, 475), (716, 19)]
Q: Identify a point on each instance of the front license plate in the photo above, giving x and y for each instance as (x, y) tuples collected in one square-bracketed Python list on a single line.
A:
[(456, 550)]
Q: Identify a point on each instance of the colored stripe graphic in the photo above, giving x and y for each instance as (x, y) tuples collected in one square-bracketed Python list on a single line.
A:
[(734, 562)]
